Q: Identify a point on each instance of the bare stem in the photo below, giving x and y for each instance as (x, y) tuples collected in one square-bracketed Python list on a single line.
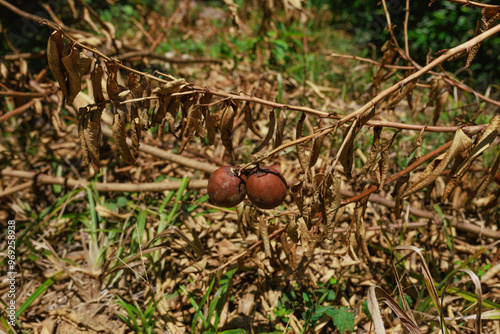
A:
[(449, 53), (468, 3)]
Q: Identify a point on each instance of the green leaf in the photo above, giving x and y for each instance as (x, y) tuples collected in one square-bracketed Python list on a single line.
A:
[(343, 319)]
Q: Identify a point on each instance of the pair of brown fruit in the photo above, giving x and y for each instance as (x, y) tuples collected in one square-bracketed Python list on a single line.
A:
[(265, 186)]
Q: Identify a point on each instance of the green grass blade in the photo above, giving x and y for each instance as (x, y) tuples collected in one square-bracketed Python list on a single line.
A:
[(41, 289)]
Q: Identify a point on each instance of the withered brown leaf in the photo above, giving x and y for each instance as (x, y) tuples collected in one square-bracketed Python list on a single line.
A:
[(193, 124), (418, 141), (112, 87), (160, 110), (315, 150), (494, 171), (264, 235), (460, 143), (297, 193), (76, 65), (91, 134), (249, 120), (383, 164), (96, 79), (483, 141), (170, 87), (82, 120), (226, 128), (306, 240), (318, 192), (332, 200), (55, 49), (301, 147), (440, 104), (121, 138), (270, 132), (280, 128), (169, 117), (377, 130)]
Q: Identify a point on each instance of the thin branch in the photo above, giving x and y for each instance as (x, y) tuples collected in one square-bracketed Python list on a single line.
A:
[(447, 78), (162, 154), (396, 176), (177, 60), (468, 3), (405, 27), (22, 94), (16, 111), (380, 96), (119, 187), (371, 61)]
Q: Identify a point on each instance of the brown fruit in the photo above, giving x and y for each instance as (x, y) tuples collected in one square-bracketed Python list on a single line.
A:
[(266, 188), (225, 188)]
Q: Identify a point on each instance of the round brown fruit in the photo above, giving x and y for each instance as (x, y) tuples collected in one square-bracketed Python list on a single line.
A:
[(266, 188), (225, 188)]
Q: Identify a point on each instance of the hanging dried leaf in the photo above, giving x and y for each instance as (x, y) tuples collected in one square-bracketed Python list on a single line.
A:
[(393, 99), (169, 118), (346, 157), (315, 150), (292, 229), (440, 103), (112, 87), (399, 189), (211, 122), (377, 130), (187, 103), (76, 65), (418, 141), (361, 227), (193, 124), (460, 143), (383, 164), (120, 137), (135, 125), (134, 80), (55, 49), (331, 205), (296, 191), (270, 132), (242, 219), (160, 111), (389, 54), (301, 147), (488, 17), (437, 85), (249, 121), (483, 141), (349, 256), (264, 235), (203, 132), (306, 240), (347, 154), (280, 128), (145, 104), (96, 79), (91, 134), (494, 171), (198, 124), (318, 191), (226, 129), (170, 87), (136, 134), (82, 123)]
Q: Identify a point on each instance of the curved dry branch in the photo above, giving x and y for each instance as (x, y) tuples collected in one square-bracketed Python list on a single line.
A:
[(445, 56)]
